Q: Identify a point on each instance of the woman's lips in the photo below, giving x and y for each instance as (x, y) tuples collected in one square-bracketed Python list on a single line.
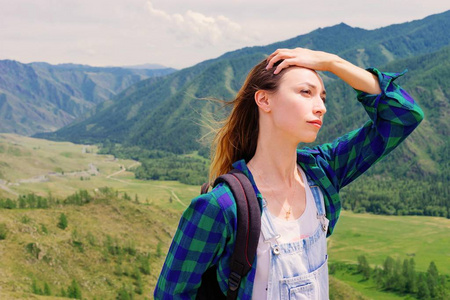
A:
[(316, 123)]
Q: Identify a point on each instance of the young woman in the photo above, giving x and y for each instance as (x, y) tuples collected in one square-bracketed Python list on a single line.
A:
[(281, 104)]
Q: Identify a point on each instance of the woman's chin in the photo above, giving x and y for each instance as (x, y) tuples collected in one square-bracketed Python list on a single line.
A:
[(308, 139)]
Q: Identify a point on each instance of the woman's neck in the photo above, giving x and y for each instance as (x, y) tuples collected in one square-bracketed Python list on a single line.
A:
[(276, 160)]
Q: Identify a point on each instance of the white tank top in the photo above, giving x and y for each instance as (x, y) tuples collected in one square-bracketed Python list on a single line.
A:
[(290, 231)]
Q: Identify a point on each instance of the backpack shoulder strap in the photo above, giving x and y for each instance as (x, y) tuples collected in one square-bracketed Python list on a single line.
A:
[(248, 228), (204, 188)]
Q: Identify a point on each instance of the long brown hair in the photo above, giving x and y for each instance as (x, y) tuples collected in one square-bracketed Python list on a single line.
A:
[(238, 137)]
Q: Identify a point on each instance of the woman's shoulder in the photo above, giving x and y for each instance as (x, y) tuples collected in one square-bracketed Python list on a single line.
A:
[(309, 156), (220, 198)]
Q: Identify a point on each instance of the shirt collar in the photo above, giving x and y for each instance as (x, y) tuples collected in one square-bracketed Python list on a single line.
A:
[(305, 156)]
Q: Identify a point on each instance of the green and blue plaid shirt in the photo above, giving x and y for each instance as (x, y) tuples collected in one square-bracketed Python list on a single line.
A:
[(206, 232)]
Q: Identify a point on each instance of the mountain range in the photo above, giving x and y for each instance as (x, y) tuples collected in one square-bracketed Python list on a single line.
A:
[(171, 113), (40, 97), (167, 113)]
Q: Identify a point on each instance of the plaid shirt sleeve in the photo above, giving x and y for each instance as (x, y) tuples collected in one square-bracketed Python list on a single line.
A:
[(393, 116), (199, 241)]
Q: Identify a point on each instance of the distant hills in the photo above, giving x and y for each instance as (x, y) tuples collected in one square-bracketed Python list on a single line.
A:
[(40, 97), (146, 66)]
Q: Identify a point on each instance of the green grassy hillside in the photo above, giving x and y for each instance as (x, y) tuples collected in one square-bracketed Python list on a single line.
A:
[(115, 243), (127, 223), (109, 243), (106, 240)]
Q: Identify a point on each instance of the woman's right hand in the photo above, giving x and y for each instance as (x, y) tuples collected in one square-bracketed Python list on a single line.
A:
[(301, 57), (355, 76)]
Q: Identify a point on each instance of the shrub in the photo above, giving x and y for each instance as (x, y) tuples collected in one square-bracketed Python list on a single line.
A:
[(33, 249), (74, 290), (144, 263), (139, 289), (91, 239), (3, 231), (130, 248), (44, 229), (124, 294), (25, 220), (62, 221), (159, 249), (47, 290), (9, 204), (35, 288)]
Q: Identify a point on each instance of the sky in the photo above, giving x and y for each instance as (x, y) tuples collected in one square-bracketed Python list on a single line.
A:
[(178, 33)]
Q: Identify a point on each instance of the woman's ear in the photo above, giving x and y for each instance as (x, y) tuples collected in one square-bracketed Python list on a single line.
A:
[(262, 100)]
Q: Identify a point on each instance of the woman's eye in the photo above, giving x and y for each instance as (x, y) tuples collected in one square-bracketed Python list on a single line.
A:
[(306, 92)]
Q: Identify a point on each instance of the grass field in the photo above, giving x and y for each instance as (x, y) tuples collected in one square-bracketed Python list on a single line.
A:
[(424, 238), (366, 288), (29, 165)]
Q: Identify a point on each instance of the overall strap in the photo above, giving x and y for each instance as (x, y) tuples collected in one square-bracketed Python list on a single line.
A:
[(320, 203), (248, 228), (317, 196), (267, 227)]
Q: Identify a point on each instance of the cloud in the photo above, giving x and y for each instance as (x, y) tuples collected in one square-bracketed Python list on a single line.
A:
[(176, 33), (201, 30)]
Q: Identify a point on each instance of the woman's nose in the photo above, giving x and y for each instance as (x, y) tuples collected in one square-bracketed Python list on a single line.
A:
[(320, 107)]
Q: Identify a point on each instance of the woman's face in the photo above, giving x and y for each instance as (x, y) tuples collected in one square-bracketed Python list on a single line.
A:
[(298, 106)]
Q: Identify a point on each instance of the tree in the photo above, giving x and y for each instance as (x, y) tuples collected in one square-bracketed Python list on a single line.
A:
[(144, 261), (47, 290), (3, 231), (422, 288), (432, 270), (62, 221), (432, 279), (410, 274), (388, 273), (9, 204), (22, 203), (35, 288), (378, 276), (398, 280), (139, 284), (74, 290), (363, 267), (442, 291)]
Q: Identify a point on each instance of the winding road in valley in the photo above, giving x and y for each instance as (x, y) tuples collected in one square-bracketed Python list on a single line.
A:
[(123, 169), (4, 185)]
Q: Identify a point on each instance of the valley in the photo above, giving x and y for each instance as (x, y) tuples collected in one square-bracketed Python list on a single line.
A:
[(130, 221), (30, 165)]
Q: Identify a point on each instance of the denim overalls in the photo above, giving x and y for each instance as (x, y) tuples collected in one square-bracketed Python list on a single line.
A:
[(298, 270)]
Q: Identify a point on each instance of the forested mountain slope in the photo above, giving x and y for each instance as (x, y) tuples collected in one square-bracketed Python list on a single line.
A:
[(169, 115)]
